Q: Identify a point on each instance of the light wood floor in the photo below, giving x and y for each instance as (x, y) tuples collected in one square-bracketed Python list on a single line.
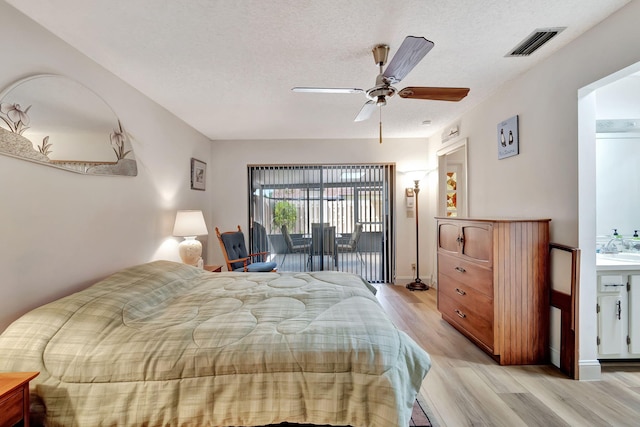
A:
[(465, 387)]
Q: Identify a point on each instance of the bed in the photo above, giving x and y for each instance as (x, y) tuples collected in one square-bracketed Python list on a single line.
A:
[(169, 344)]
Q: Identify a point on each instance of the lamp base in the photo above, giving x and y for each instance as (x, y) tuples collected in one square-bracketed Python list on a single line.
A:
[(190, 250), (418, 285)]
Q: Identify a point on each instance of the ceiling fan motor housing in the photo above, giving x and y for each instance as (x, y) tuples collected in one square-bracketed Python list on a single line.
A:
[(383, 91)]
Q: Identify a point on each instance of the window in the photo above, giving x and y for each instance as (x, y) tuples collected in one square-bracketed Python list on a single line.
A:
[(351, 205)]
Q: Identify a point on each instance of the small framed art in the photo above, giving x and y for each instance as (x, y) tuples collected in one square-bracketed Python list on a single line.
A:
[(508, 138), (198, 174)]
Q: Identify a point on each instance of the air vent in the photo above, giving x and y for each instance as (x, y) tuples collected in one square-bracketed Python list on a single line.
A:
[(535, 41)]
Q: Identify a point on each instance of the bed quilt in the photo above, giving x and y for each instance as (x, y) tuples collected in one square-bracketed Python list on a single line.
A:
[(165, 344)]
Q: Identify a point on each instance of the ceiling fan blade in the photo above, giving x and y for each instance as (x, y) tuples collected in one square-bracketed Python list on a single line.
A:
[(411, 51), (327, 89), (366, 111), (435, 93)]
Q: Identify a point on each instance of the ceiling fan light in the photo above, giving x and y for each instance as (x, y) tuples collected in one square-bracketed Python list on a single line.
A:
[(381, 101)]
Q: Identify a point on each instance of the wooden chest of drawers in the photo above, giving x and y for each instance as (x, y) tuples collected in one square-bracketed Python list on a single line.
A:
[(493, 285)]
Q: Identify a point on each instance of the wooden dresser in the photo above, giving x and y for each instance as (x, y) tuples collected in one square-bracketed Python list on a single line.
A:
[(493, 285)]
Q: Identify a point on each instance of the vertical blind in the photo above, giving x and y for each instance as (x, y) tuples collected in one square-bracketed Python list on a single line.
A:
[(325, 217)]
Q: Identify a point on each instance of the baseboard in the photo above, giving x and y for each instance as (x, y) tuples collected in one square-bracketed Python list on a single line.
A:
[(589, 370), (555, 357)]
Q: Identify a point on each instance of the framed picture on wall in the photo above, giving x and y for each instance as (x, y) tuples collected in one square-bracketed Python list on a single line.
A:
[(198, 174), (508, 138)]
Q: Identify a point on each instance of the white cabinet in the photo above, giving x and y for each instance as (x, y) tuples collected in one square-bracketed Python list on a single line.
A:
[(634, 314), (618, 315)]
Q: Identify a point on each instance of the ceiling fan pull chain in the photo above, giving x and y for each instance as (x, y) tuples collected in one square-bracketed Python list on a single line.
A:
[(380, 125)]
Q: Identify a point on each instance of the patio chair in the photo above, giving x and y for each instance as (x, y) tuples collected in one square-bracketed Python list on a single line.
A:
[(352, 245), (260, 239), (292, 248), (323, 242)]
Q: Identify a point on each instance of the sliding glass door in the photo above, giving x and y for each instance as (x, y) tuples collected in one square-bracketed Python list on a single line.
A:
[(325, 217)]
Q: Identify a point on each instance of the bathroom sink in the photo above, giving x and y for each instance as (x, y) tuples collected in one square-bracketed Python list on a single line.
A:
[(623, 258)]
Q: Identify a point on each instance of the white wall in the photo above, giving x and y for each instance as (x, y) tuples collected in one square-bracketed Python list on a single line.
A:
[(619, 99), (542, 181), (62, 231)]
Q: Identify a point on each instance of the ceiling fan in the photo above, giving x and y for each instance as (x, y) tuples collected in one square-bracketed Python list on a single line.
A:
[(410, 53)]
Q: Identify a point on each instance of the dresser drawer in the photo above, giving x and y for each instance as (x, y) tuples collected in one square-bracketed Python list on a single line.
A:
[(466, 296), (11, 408), (467, 273), (477, 326)]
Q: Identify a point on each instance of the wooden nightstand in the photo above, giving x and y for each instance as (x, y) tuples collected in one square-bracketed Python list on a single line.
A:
[(213, 268), (14, 398)]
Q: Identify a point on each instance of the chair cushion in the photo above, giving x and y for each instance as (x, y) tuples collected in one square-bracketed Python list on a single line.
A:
[(235, 246), (259, 267)]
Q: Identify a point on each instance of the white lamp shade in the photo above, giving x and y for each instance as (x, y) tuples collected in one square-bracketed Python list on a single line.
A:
[(189, 223), (416, 175)]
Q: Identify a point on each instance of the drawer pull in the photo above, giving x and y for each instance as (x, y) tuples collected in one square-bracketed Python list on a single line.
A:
[(460, 314), (460, 291), (460, 270)]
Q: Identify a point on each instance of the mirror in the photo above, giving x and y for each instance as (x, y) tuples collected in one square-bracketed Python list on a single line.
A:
[(452, 179), (58, 122)]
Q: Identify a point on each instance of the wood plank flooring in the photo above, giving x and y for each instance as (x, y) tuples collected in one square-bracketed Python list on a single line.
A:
[(465, 387)]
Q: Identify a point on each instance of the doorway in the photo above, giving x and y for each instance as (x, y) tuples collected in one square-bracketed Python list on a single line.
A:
[(588, 115), (452, 179)]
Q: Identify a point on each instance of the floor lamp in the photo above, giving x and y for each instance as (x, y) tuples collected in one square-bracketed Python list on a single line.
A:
[(417, 284)]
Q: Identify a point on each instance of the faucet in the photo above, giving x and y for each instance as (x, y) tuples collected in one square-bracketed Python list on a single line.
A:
[(611, 247)]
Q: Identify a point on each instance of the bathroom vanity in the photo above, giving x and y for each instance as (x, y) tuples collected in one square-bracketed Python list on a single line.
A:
[(618, 306)]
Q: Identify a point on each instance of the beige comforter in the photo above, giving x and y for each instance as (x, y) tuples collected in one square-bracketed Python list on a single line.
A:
[(164, 344)]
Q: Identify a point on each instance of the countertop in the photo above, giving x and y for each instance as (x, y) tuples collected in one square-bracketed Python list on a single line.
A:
[(619, 262)]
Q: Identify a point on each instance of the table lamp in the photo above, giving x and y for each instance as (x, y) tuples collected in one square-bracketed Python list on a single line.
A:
[(190, 224)]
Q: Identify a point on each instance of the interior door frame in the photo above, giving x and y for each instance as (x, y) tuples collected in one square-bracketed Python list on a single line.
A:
[(445, 155)]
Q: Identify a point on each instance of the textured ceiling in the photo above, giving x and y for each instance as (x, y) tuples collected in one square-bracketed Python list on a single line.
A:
[(227, 67)]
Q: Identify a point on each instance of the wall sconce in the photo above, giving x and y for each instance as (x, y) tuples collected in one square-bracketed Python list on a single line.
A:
[(190, 224)]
